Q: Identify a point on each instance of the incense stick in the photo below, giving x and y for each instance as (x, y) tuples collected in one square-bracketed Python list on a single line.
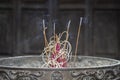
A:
[(77, 39), (68, 26), (54, 30), (54, 36), (45, 38), (44, 33)]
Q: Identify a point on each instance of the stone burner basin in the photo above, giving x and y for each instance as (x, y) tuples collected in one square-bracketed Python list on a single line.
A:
[(85, 68)]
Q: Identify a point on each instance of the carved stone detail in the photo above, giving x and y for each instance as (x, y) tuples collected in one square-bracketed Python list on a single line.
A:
[(108, 73), (56, 76), (97, 74), (20, 75), (4, 76)]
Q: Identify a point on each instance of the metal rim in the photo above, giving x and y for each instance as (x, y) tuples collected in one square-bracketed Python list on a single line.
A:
[(65, 68)]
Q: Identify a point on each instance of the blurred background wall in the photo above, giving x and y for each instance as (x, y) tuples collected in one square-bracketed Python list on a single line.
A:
[(21, 25)]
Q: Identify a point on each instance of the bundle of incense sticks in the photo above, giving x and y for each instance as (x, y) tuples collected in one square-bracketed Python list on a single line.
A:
[(56, 53)]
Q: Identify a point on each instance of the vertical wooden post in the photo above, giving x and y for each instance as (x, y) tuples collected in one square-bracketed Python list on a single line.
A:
[(117, 55), (16, 25), (53, 13), (88, 33)]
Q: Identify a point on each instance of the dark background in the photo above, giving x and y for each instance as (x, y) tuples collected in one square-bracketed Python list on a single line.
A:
[(21, 25)]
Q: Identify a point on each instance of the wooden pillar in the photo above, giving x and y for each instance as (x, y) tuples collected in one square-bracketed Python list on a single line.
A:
[(53, 6), (88, 33), (118, 35), (16, 26)]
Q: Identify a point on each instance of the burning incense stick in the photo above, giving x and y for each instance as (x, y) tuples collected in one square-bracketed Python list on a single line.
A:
[(68, 29), (44, 33), (54, 30), (67, 34), (78, 38), (45, 39)]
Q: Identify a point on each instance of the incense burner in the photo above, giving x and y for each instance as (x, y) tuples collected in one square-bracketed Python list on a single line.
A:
[(84, 68)]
